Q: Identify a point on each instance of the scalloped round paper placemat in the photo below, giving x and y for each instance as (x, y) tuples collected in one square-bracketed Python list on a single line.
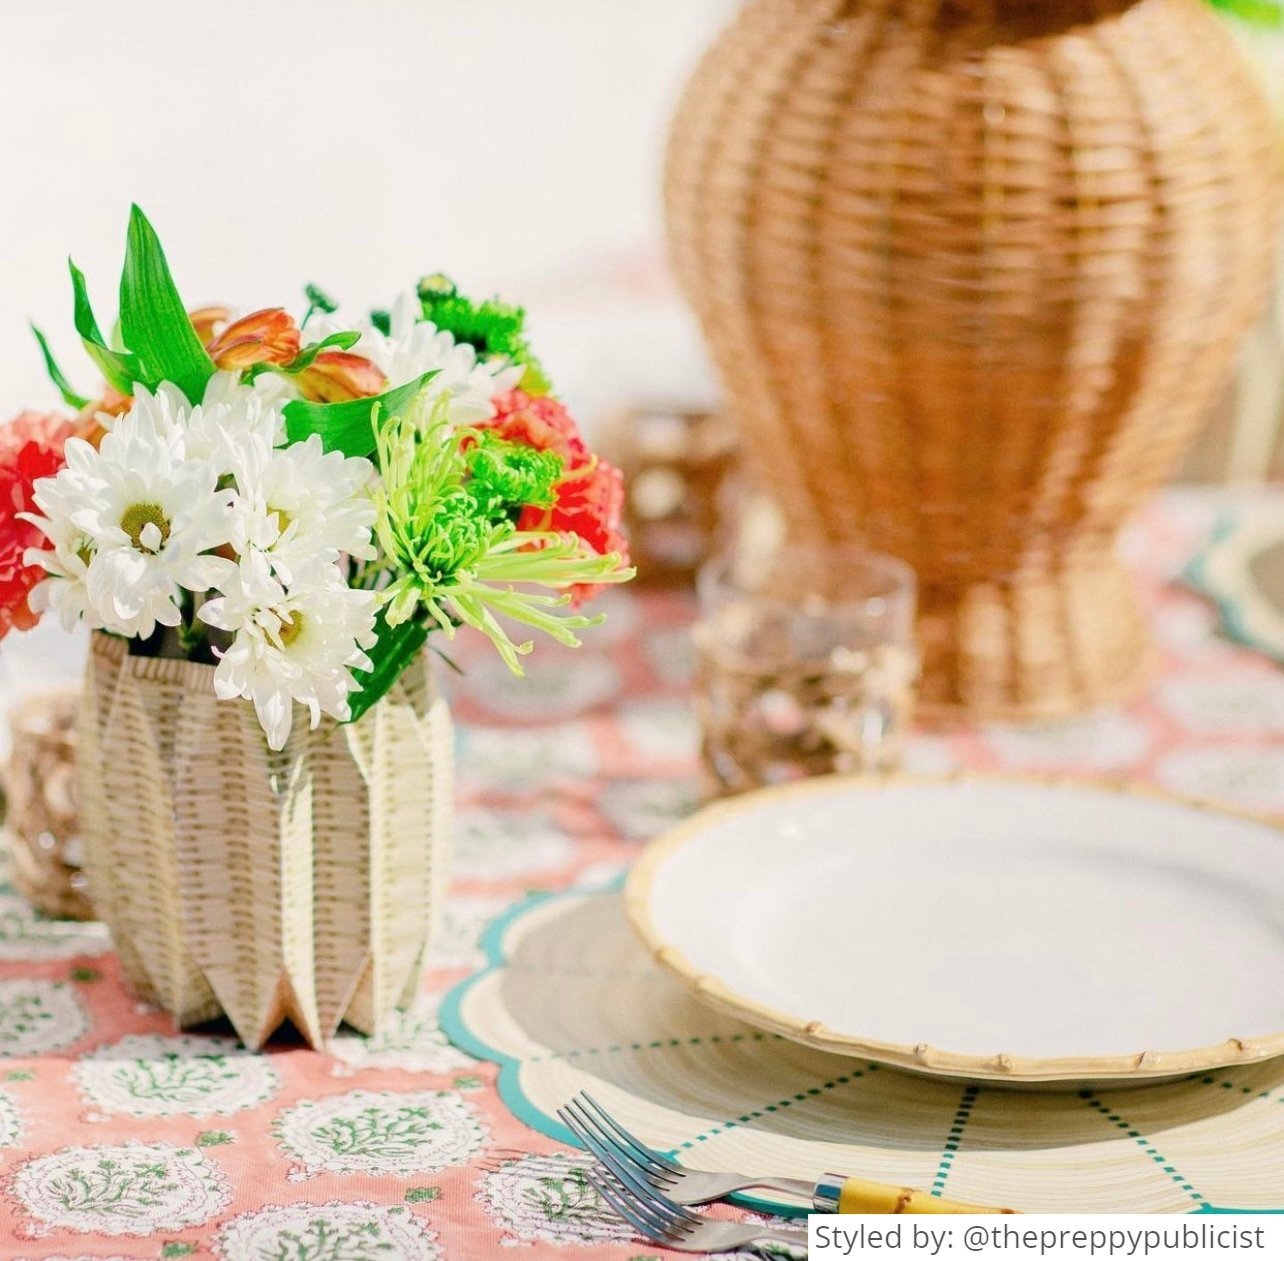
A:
[(570, 1001)]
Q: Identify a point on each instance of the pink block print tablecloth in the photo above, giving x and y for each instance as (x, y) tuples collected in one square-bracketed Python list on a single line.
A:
[(121, 1138)]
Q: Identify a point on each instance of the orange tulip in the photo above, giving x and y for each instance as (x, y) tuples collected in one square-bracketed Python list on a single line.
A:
[(208, 321), (269, 336), (335, 376)]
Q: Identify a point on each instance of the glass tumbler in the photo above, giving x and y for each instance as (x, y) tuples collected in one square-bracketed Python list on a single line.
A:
[(805, 664)]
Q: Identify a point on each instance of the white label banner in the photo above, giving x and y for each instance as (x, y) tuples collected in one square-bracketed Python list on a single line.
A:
[(1132, 1237)]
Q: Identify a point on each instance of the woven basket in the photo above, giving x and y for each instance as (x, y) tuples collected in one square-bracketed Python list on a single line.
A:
[(294, 886), (973, 270), (42, 820)]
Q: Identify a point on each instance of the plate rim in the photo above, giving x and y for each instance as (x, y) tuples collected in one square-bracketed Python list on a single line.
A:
[(1000, 1066)]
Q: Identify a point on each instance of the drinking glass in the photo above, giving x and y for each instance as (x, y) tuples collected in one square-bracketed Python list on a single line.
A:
[(806, 664)]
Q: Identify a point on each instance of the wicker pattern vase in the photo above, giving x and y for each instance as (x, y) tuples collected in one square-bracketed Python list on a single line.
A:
[(972, 271), (268, 886)]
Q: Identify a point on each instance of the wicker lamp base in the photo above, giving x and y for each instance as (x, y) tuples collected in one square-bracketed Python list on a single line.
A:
[(1046, 644)]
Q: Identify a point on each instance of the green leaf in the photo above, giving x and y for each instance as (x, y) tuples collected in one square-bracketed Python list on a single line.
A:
[(213, 1138), (69, 396), (349, 427), (154, 320), (307, 356), (1269, 13), (421, 1195), (395, 649), (119, 369)]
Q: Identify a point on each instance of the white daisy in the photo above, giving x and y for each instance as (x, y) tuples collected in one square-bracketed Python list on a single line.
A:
[(232, 415), (300, 503), (64, 592), (140, 515), (297, 644), (413, 346)]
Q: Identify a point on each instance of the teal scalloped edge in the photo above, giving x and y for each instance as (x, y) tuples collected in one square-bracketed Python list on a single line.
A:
[(450, 1019), (1194, 574)]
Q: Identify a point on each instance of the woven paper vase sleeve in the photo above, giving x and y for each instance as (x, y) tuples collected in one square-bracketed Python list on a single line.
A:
[(243, 835), (129, 727), (294, 886), (405, 751), (972, 274)]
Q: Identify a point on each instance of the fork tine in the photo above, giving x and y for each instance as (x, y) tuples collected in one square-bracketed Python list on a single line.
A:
[(588, 1122), (648, 1198), (606, 1154), (625, 1208), (644, 1152), (657, 1175)]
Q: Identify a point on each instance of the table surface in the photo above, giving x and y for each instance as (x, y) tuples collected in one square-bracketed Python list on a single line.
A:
[(120, 1138)]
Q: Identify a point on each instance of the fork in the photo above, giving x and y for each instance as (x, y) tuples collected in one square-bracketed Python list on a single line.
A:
[(657, 1218), (637, 1166)]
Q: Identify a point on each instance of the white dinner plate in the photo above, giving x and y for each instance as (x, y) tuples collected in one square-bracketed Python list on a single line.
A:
[(994, 929)]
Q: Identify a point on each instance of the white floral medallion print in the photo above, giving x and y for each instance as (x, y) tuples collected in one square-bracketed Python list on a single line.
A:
[(661, 730), (639, 808), (497, 845), (671, 654), (380, 1133), (463, 920), (39, 1016), (335, 1231), (1097, 742), (11, 1124), (149, 1075), (548, 1199), (25, 937), (1245, 705), (554, 687), (411, 1041), (513, 759), (128, 1189)]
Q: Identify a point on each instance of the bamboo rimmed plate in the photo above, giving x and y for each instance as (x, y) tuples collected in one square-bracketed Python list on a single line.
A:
[(1026, 931)]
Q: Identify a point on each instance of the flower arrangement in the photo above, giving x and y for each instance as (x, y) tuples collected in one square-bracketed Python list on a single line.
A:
[(300, 504)]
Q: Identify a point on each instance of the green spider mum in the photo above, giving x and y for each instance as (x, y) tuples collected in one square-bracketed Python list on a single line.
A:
[(446, 526)]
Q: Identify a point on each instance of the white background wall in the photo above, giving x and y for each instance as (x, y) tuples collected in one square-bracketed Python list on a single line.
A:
[(513, 143)]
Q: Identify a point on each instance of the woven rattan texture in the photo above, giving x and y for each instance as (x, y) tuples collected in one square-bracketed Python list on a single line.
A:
[(972, 273), (295, 886), (41, 817)]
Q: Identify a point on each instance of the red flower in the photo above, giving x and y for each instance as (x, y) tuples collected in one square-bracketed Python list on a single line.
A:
[(590, 495), (30, 448)]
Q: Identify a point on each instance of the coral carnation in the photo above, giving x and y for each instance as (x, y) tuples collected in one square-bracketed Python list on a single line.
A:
[(590, 495), (542, 423), (30, 448)]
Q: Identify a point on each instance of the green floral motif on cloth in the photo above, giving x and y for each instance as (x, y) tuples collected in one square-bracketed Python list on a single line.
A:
[(24, 936), (380, 1133), (335, 1231), (411, 1041), (548, 1199), (129, 1189), (11, 1124), (39, 1016), (154, 1076)]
